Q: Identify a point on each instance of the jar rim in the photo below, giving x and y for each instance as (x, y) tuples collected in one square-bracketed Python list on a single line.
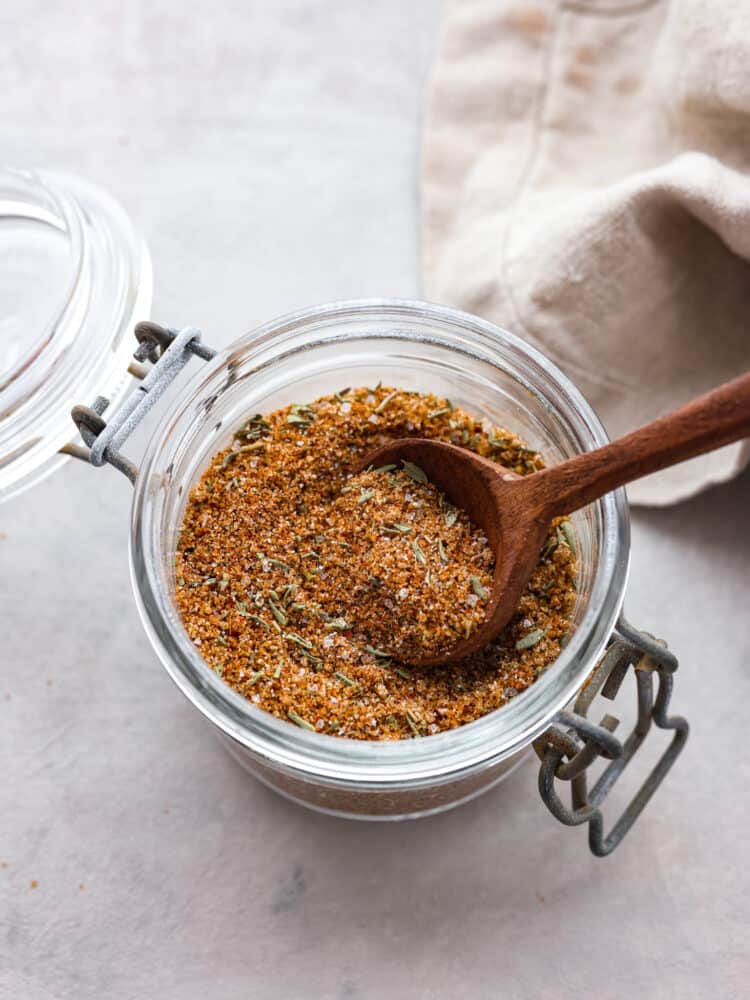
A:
[(332, 759)]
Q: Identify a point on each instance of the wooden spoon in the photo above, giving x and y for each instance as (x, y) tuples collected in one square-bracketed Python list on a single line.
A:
[(515, 511)]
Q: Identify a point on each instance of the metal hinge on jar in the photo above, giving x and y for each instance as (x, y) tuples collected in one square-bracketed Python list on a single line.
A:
[(168, 351), (572, 743)]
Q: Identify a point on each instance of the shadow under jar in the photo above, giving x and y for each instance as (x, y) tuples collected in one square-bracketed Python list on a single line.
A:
[(414, 346)]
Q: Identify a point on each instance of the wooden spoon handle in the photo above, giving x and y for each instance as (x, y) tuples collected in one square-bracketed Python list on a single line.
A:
[(717, 418)]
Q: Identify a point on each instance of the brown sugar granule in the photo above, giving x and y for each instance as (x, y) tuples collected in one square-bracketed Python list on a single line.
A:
[(417, 572), (264, 571)]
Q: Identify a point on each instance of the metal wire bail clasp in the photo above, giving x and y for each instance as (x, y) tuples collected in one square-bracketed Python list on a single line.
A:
[(573, 742), (169, 351)]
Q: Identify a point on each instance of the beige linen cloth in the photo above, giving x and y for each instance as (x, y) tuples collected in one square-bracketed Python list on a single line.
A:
[(586, 184)]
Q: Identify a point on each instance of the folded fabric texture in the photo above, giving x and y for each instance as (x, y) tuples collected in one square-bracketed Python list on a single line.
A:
[(586, 185)]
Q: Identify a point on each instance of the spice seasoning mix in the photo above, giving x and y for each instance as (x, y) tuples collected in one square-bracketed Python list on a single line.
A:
[(299, 581)]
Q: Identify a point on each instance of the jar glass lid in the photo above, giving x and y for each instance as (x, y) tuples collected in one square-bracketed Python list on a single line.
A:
[(74, 277)]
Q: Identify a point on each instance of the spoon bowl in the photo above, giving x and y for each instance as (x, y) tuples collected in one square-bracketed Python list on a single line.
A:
[(499, 502)]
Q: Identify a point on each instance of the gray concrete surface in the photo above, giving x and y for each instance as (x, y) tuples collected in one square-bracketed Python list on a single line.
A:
[(269, 153)]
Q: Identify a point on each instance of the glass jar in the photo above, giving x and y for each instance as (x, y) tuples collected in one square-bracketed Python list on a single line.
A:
[(74, 276), (416, 346)]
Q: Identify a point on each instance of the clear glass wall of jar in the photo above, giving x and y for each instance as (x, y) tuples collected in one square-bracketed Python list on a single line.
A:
[(416, 346)]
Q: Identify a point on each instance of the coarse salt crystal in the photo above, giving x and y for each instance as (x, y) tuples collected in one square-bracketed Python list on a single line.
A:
[(471, 600), (328, 641), (345, 408), (373, 418)]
